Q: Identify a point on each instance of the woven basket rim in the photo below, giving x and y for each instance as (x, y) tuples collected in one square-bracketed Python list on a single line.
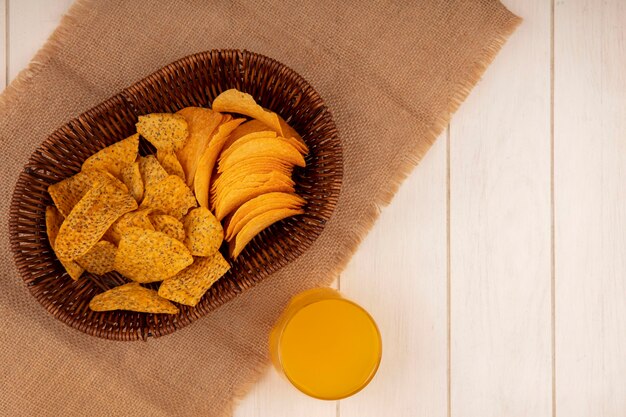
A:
[(123, 95)]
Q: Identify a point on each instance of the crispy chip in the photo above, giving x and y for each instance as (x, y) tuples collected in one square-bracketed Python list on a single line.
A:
[(131, 176), (99, 259), (251, 126), (259, 205), (245, 139), (247, 173), (289, 132), (114, 158), (206, 164), (189, 285), (202, 123), (170, 196), (149, 256), (256, 225), (91, 218), (203, 233), (170, 163), (67, 193), (54, 219), (166, 131), (151, 171), (237, 194), (234, 101), (168, 225), (137, 218), (263, 147), (132, 297)]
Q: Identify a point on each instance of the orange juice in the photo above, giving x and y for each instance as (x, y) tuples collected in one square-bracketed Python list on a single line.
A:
[(327, 346)]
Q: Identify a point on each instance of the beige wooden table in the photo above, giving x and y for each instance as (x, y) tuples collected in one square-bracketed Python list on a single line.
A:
[(498, 273)]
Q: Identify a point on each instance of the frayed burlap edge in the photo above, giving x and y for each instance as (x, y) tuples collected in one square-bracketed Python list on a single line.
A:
[(77, 15)]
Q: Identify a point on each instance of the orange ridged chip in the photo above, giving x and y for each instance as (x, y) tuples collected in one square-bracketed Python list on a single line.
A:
[(151, 171), (202, 180), (263, 147), (166, 131), (132, 297), (251, 126), (170, 196), (203, 233), (149, 256), (99, 259), (137, 218), (114, 158), (170, 163), (247, 173), (131, 177), (168, 225), (91, 218), (259, 205), (226, 151), (256, 225), (202, 123), (189, 285), (290, 133), (255, 185), (54, 219)]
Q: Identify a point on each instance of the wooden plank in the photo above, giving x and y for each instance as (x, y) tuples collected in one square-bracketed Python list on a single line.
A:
[(399, 274), (31, 23), (3, 43), (500, 223), (590, 207)]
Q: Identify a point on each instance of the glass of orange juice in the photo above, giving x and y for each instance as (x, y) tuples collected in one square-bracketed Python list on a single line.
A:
[(325, 345)]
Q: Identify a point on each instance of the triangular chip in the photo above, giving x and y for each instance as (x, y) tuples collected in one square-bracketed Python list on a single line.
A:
[(203, 233), (170, 196), (132, 297), (137, 218), (207, 161), (114, 158), (131, 177), (263, 147), (168, 225), (166, 131), (149, 256), (54, 219), (91, 218), (256, 225), (170, 163), (151, 171), (189, 285), (259, 205), (99, 259), (67, 193), (202, 123)]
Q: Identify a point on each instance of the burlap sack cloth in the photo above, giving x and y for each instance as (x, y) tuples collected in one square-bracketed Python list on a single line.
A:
[(391, 73)]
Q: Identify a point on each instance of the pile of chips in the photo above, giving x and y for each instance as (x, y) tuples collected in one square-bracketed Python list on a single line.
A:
[(151, 218)]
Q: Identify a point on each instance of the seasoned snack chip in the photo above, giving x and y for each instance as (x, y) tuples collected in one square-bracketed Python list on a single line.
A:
[(234, 101), (189, 285), (248, 174), (114, 158), (256, 225), (149, 256), (170, 163), (237, 194), (137, 218), (263, 147), (170, 196), (67, 193), (100, 258), (203, 233), (54, 219), (202, 180), (244, 139), (91, 218), (131, 177), (166, 131), (168, 225), (151, 171), (259, 205), (202, 123), (132, 297), (251, 126)]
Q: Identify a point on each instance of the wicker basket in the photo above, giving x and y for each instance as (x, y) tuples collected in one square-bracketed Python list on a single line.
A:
[(192, 81)]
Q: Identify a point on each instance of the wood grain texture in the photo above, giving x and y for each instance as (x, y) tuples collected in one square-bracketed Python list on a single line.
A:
[(590, 207), (31, 23), (3, 43), (399, 274), (500, 220)]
